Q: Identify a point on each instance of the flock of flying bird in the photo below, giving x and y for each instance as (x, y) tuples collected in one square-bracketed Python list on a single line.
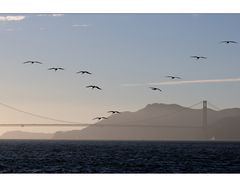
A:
[(194, 57), (79, 72), (98, 88)]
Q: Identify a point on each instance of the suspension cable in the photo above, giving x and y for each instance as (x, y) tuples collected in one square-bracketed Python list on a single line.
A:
[(214, 106), (78, 123), (36, 115)]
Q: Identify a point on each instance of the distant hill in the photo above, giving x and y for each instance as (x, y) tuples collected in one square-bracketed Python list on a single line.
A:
[(25, 135), (160, 122)]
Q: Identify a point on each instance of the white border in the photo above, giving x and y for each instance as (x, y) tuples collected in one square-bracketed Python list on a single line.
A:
[(120, 180), (119, 6)]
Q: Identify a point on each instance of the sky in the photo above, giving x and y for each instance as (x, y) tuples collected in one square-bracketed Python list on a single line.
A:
[(126, 54)]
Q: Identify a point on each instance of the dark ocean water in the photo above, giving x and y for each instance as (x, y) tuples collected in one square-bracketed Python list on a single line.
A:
[(118, 157)]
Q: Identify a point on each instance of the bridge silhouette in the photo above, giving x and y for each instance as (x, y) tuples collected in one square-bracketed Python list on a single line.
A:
[(64, 123)]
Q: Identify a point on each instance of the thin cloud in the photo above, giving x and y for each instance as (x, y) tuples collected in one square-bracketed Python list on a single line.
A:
[(12, 18), (42, 15), (206, 81), (13, 29), (53, 15), (80, 25), (197, 81), (57, 15)]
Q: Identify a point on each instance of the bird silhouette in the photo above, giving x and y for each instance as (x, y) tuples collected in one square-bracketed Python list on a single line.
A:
[(99, 118), (55, 69), (84, 72), (199, 57), (93, 86), (173, 77), (32, 62), (155, 89), (114, 112), (228, 42)]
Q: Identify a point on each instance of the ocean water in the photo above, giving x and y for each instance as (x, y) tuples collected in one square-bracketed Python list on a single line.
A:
[(118, 157)]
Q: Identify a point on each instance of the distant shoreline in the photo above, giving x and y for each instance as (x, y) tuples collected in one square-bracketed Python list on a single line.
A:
[(162, 141)]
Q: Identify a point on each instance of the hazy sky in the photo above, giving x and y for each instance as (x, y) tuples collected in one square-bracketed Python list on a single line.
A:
[(126, 53)]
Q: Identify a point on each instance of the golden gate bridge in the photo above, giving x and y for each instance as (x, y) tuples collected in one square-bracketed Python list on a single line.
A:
[(65, 123)]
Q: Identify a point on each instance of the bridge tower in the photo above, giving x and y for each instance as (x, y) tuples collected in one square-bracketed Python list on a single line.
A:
[(204, 116)]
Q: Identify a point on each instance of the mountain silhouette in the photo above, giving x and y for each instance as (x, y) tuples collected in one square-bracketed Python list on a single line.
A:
[(162, 122)]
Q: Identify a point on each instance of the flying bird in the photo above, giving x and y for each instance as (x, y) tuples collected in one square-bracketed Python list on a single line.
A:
[(99, 118), (155, 89), (84, 72), (32, 62), (93, 86), (173, 77), (199, 57), (114, 112), (55, 69), (228, 42)]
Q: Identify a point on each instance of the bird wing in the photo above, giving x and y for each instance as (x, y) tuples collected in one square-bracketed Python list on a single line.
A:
[(96, 118), (228, 41), (27, 62), (51, 68), (91, 86), (117, 112), (84, 72), (194, 56), (61, 68), (37, 62)]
